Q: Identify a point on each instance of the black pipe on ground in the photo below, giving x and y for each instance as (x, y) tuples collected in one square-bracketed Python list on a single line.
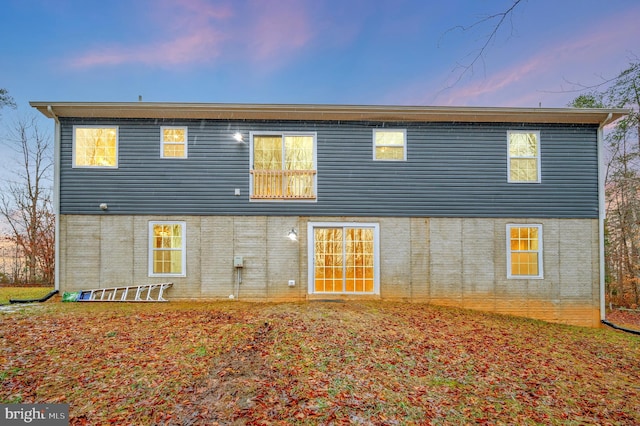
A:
[(617, 327), (42, 299)]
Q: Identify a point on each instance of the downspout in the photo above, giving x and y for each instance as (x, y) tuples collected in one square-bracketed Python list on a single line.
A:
[(56, 198), (602, 213), (617, 327), (42, 299)]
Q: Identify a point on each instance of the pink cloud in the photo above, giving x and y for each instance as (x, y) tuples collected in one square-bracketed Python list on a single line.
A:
[(189, 34), (277, 28), (504, 79), (204, 9), (546, 76), (195, 47), (196, 31)]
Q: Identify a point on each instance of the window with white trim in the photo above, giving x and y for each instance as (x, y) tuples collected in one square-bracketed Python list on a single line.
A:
[(173, 142), (524, 156), (95, 146), (167, 249), (389, 144), (524, 251), (283, 166)]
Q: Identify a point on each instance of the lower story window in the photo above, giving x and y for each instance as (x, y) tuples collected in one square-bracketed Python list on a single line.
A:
[(167, 251), (524, 251)]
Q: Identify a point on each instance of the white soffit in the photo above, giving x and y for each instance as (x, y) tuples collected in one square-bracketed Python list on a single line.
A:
[(327, 112)]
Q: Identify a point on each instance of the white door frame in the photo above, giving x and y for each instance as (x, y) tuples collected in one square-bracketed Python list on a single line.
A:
[(311, 251)]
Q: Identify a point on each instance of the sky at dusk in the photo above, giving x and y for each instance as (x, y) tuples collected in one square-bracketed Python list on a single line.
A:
[(400, 52)]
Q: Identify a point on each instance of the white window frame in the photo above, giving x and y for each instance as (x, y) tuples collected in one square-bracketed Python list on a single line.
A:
[(315, 166), (183, 225), (540, 251), (537, 157), (185, 143), (311, 252), (73, 147), (404, 144)]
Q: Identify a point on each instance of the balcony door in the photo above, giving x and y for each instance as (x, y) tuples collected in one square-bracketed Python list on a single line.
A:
[(283, 166)]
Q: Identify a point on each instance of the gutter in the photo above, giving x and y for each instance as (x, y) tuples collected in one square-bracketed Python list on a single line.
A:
[(320, 112), (602, 215), (606, 120), (56, 198)]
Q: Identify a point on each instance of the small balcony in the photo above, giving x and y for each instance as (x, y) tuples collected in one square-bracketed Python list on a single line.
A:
[(283, 185)]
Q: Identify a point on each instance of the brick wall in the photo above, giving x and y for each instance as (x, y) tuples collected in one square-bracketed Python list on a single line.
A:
[(446, 261)]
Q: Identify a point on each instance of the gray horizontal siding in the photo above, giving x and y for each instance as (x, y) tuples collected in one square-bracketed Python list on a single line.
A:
[(452, 170)]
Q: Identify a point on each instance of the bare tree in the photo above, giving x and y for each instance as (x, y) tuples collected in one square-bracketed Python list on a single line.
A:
[(493, 23), (25, 201)]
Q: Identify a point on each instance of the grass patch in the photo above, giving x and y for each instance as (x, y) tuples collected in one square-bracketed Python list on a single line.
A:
[(310, 363), (7, 293)]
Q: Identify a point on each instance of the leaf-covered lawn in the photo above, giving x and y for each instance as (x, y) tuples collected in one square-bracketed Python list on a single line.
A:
[(625, 318), (314, 363)]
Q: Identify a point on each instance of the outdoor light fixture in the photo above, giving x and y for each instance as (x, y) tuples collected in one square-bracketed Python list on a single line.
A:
[(103, 206), (238, 137), (292, 235)]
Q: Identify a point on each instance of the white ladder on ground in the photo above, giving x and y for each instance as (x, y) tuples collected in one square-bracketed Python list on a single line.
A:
[(132, 293)]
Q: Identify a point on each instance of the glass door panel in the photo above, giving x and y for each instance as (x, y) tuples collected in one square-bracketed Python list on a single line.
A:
[(328, 262), (344, 260)]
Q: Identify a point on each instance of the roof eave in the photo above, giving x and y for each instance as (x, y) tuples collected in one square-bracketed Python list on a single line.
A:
[(301, 112)]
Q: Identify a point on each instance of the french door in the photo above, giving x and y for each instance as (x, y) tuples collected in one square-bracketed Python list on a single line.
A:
[(343, 258)]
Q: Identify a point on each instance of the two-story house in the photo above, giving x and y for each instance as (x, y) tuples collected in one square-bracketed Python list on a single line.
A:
[(496, 209)]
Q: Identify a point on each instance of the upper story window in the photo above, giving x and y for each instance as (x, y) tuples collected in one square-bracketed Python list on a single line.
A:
[(95, 146), (167, 251), (389, 144), (173, 143), (524, 251), (524, 157), (283, 166)]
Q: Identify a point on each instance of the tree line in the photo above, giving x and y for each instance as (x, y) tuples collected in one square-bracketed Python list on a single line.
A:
[(25, 204), (622, 184)]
